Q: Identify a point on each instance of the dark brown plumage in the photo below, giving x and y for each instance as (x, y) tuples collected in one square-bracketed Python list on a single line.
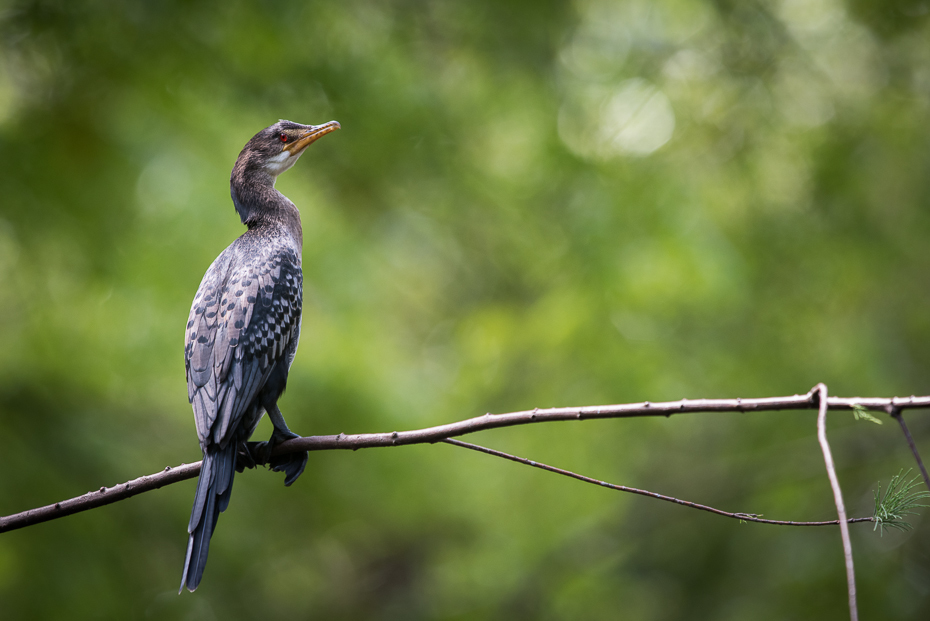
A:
[(243, 330)]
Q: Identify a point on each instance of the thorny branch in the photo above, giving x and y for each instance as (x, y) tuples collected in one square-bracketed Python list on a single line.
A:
[(107, 495)]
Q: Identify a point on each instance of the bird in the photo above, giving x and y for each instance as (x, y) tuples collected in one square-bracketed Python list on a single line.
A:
[(242, 333)]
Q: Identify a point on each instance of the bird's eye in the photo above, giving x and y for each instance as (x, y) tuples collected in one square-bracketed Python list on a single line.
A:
[(282, 137)]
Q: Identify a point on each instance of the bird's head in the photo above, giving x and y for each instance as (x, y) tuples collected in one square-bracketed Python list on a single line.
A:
[(275, 149), (268, 154)]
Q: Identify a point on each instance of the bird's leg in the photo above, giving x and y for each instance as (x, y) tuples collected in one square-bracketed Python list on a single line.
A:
[(281, 432), (292, 464)]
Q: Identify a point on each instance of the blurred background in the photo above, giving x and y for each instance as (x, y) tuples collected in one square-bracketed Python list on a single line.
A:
[(538, 203)]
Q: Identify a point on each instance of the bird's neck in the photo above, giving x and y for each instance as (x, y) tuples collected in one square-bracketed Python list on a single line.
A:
[(260, 205)]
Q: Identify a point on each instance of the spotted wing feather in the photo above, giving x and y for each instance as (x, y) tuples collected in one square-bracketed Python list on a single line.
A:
[(243, 320)]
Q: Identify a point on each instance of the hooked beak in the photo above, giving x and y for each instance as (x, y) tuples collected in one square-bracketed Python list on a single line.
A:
[(308, 136)]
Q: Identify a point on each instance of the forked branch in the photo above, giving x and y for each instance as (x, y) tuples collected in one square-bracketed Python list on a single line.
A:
[(108, 495)]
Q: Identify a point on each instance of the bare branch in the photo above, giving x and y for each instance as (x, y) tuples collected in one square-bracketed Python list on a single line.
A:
[(628, 410), (896, 414), (838, 498), (436, 434), (743, 517), (99, 498)]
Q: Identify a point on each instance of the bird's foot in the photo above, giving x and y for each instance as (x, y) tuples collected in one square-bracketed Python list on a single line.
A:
[(261, 451), (292, 464), (246, 457)]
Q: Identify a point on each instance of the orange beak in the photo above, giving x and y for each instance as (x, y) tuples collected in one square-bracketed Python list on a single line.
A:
[(308, 136)]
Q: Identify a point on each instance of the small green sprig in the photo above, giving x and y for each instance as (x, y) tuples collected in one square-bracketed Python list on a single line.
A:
[(897, 502), (860, 412)]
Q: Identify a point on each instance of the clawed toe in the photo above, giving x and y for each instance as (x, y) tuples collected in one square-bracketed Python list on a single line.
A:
[(292, 465), (261, 451), (245, 457)]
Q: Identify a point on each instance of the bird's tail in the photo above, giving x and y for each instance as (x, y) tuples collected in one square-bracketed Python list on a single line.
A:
[(214, 488)]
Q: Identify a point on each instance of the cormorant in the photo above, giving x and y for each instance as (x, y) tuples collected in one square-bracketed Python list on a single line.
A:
[(242, 332)]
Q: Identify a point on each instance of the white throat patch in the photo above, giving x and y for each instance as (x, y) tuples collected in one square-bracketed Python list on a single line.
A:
[(280, 162)]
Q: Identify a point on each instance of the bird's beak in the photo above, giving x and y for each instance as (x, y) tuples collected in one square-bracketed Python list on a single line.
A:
[(308, 136)]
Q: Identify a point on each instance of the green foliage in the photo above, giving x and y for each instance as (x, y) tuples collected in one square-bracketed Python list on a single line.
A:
[(860, 412), (898, 501), (530, 203)]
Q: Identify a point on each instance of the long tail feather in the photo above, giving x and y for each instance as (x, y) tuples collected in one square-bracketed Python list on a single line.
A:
[(214, 489)]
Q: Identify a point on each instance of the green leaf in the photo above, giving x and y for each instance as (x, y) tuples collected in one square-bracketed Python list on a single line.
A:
[(897, 502), (861, 413)]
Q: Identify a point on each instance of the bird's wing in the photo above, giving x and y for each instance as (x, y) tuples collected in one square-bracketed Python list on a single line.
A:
[(241, 323)]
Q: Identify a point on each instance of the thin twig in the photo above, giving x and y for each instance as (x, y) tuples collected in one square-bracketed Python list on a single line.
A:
[(896, 414), (743, 517), (838, 499), (435, 434)]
